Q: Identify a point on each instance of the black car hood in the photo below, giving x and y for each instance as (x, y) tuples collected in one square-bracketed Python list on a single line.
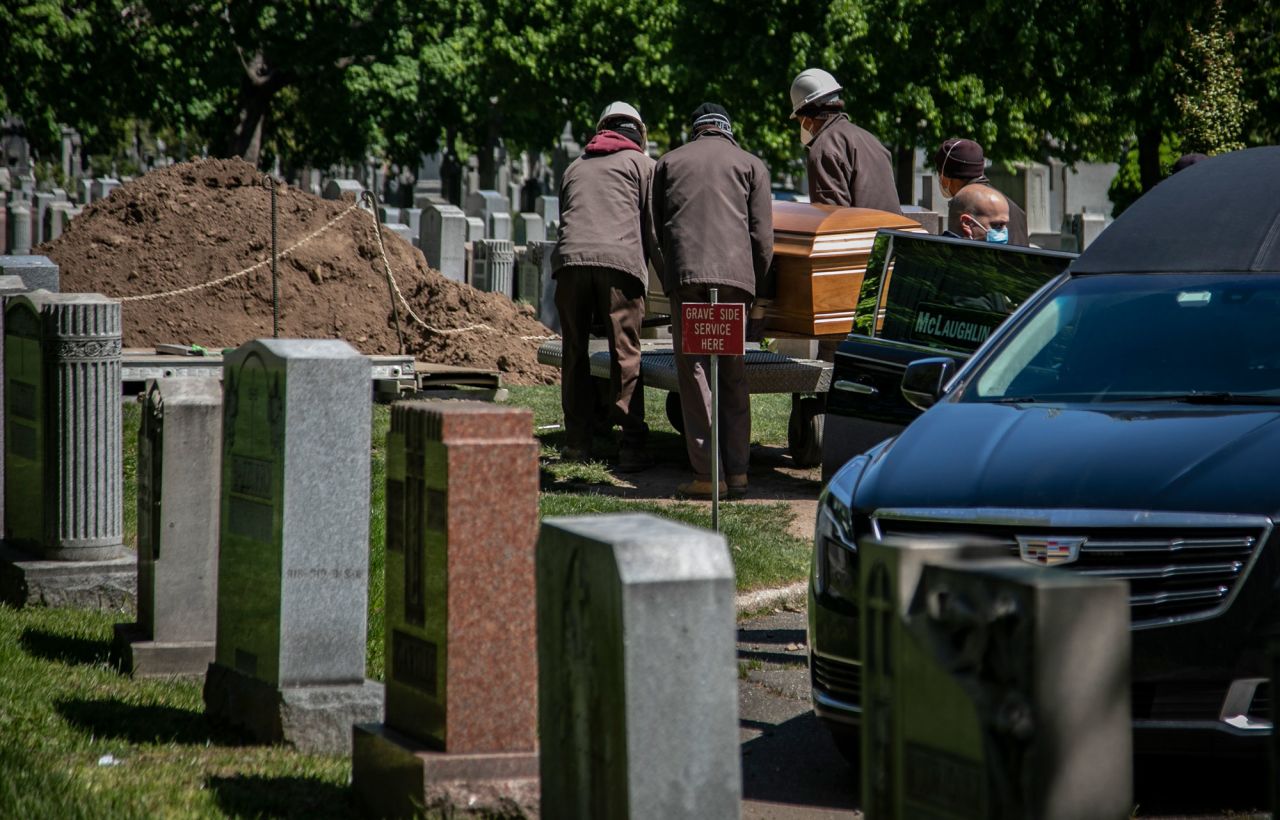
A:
[(1165, 457)]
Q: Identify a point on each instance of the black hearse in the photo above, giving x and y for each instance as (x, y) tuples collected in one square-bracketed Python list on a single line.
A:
[(1130, 408)]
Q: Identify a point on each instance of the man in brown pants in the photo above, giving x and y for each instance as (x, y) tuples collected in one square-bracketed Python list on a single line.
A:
[(712, 210), (601, 269)]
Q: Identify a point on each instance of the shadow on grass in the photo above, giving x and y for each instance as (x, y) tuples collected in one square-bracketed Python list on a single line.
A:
[(258, 796), (144, 724), (60, 648)]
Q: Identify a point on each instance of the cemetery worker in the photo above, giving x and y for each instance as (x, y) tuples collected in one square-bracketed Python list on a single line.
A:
[(979, 213), (961, 163), (600, 265), (846, 165), (713, 212)]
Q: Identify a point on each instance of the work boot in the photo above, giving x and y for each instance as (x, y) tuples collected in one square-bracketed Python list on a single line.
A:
[(737, 485), (700, 488), (634, 460)]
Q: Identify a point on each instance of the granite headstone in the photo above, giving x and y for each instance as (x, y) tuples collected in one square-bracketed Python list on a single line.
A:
[(36, 272), (637, 672), (462, 520), (443, 240), (294, 545), (179, 486)]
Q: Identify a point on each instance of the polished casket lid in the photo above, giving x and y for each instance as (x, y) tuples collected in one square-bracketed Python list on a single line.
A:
[(815, 220)]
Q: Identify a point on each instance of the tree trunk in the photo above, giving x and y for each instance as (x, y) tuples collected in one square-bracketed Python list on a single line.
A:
[(904, 172), (245, 137), (1149, 157)]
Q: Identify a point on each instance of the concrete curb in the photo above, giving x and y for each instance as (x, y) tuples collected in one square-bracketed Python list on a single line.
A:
[(770, 598)]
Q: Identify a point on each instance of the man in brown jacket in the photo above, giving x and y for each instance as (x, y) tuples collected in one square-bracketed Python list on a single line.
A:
[(714, 216), (847, 166), (601, 269)]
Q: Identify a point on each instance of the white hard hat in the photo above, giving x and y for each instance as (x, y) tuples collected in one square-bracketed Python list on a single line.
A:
[(619, 110), (810, 86)]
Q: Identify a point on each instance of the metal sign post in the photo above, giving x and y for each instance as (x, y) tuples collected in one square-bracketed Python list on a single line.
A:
[(714, 329), (715, 432)]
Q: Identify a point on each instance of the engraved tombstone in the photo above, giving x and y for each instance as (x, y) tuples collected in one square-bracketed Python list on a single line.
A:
[(19, 228), (443, 240), (991, 689), (63, 475), (294, 545), (485, 206), (462, 520), (637, 672), (179, 484), (9, 286), (346, 189), (528, 228)]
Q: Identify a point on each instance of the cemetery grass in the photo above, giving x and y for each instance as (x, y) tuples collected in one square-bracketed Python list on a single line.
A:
[(83, 741)]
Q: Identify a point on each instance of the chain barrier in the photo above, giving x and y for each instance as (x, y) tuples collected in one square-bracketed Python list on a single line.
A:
[(146, 297)]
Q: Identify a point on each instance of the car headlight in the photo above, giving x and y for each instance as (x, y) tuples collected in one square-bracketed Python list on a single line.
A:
[(835, 537)]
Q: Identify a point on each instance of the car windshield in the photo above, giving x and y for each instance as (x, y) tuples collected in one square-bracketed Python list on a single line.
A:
[(1200, 338)]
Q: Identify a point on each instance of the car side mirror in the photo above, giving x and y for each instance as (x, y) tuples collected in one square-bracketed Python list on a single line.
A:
[(923, 382)]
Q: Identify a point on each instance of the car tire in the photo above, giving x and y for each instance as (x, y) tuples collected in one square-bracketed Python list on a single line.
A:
[(804, 430), (849, 744), (675, 415)]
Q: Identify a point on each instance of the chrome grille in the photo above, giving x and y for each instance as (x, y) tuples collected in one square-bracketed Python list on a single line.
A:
[(1177, 571), (838, 679)]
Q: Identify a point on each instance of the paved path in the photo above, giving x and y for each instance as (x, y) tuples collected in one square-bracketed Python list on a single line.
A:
[(791, 769)]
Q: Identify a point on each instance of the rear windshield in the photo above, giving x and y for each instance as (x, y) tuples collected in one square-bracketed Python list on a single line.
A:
[(1134, 336), (948, 295)]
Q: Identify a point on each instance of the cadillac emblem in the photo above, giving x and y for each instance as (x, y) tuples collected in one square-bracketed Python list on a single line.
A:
[(1049, 550)]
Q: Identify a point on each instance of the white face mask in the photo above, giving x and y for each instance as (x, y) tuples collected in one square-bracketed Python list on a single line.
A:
[(806, 136)]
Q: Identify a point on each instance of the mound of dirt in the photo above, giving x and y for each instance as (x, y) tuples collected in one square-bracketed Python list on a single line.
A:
[(195, 222)]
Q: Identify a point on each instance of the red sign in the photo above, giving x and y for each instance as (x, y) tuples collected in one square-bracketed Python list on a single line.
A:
[(713, 329)]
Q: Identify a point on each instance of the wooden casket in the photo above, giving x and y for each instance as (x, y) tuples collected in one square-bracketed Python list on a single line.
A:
[(820, 255)]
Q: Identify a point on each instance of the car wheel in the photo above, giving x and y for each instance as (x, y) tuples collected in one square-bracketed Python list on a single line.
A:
[(804, 430), (675, 414), (849, 744)]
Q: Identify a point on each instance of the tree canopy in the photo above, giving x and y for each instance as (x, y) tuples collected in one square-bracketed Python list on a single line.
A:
[(318, 83)]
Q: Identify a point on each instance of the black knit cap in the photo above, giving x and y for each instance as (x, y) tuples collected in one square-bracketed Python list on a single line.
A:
[(1186, 161), (712, 115), (960, 159)]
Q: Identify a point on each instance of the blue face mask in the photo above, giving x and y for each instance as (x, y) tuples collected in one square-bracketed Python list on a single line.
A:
[(998, 236)]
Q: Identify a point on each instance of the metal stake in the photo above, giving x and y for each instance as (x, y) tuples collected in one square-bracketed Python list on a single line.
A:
[(270, 182), (715, 432)]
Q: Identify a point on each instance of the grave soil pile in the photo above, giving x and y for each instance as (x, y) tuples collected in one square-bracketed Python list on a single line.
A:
[(197, 221)]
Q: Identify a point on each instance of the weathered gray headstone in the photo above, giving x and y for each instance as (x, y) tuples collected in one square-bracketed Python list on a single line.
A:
[(413, 218), (533, 265), (103, 186), (63, 483), (9, 286), (443, 240), (1029, 666), (528, 228), (40, 203), (637, 674), (294, 545), (86, 192), (348, 189), (548, 207), (500, 227), (475, 229), (494, 263), (399, 230), (179, 485), (19, 228), (1027, 184), (36, 272), (484, 205), (56, 219), (388, 215)]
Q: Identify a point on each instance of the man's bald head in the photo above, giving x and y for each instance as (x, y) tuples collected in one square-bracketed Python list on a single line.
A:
[(976, 209)]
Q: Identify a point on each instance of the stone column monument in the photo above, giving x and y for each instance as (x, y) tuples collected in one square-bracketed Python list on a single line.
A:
[(179, 486), (294, 545), (462, 520), (63, 475)]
